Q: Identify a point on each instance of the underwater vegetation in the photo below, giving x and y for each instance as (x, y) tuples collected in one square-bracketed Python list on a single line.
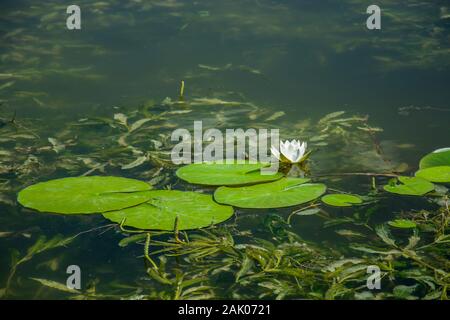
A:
[(86, 176), (35, 48), (189, 220)]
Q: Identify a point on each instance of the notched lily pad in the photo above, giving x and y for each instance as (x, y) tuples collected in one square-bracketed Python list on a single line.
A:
[(218, 174), (440, 174), (440, 157), (285, 192), (341, 200), (194, 210), (413, 186), (83, 195)]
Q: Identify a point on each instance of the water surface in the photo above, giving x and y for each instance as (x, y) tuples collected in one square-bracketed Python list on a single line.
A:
[(305, 58)]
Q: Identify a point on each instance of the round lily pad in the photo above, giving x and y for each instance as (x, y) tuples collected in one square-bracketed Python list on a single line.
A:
[(439, 174), (194, 210), (412, 186), (440, 157), (82, 195), (220, 174), (285, 192), (402, 223), (341, 200)]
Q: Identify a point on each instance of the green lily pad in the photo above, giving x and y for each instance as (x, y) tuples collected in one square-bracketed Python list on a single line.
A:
[(285, 192), (439, 174), (402, 223), (82, 195), (194, 210), (218, 174), (437, 158), (412, 186), (341, 200)]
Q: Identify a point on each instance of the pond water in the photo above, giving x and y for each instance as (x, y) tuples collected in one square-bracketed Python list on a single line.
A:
[(69, 99)]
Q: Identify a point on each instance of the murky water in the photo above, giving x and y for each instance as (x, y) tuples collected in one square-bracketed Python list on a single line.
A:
[(245, 64)]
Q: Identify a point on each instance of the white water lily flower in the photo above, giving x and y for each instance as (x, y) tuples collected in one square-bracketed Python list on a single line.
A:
[(290, 151)]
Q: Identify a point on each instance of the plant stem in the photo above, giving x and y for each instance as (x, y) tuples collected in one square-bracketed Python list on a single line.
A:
[(288, 221), (146, 252)]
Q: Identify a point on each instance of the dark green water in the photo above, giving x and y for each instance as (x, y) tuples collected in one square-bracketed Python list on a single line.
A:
[(305, 58)]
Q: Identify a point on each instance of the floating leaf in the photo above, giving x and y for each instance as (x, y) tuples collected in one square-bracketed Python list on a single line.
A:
[(194, 210), (439, 174), (402, 223), (341, 200), (84, 194), (413, 186), (285, 192), (217, 174), (440, 157)]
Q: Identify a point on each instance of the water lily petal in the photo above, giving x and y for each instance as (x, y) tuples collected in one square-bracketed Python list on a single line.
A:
[(298, 156), (291, 151), (290, 154), (275, 152), (283, 148)]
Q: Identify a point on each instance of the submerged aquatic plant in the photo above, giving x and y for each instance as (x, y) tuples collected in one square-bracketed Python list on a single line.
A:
[(269, 261), (260, 254), (41, 245)]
